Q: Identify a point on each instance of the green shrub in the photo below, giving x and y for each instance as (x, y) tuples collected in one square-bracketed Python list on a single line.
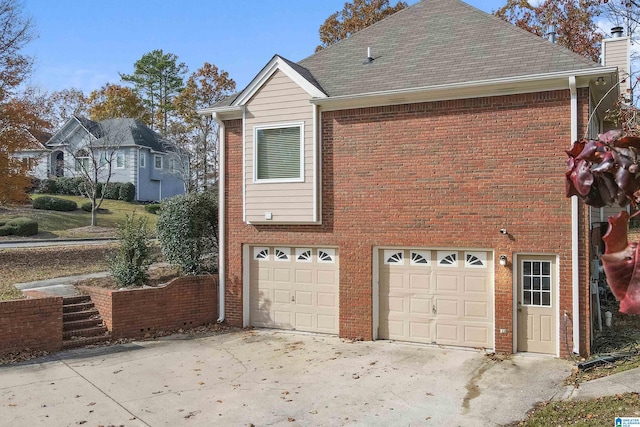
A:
[(71, 186), (111, 190), (127, 192), (47, 186), (152, 208), (23, 226), (86, 206), (19, 227), (130, 264), (187, 229), (54, 204)]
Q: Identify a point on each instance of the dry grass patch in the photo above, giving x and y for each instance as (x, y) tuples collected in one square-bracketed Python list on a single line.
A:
[(29, 264)]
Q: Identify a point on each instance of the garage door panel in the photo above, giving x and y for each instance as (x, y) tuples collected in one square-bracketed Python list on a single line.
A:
[(304, 276), (420, 305), (304, 298), (294, 291), (281, 296), (327, 323), (447, 307), (326, 277), (419, 282), (447, 333), (445, 283), (420, 331), (437, 302), (476, 310), (478, 335), (327, 300), (476, 285)]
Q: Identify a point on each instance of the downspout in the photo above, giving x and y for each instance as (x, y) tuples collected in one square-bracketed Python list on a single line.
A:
[(138, 177), (221, 218), (575, 251)]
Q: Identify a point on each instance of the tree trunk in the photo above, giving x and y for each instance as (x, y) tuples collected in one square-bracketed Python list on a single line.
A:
[(94, 215)]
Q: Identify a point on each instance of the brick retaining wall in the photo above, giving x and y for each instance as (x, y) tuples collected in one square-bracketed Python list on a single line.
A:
[(35, 324), (184, 302)]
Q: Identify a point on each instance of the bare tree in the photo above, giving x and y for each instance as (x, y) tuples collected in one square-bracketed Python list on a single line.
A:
[(94, 159)]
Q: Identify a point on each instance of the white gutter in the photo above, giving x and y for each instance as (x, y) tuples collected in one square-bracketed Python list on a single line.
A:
[(575, 252), (468, 85), (221, 218)]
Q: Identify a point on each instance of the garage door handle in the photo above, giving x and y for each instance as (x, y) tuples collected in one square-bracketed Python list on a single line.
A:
[(433, 310), (293, 299)]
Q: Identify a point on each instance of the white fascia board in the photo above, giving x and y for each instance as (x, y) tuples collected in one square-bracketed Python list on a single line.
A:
[(463, 90), (274, 65), (222, 113)]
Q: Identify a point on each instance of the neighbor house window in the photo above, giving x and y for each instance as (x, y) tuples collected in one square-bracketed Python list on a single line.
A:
[(120, 160), (143, 159), (172, 165), (82, 160), (157, 161), (278, 153)]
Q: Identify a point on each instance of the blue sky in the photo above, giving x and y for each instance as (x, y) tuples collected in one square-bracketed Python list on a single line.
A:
[(85, 43)]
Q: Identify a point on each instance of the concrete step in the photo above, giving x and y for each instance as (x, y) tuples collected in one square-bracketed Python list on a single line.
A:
[(85, 332), (73, 325), (82, 341)]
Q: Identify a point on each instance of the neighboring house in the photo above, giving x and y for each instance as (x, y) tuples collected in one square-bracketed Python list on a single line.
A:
[(407, 183), (36, 154), (142, 157)]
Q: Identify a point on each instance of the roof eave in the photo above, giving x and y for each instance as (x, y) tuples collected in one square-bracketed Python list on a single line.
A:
[(492, 87), (223, 113)]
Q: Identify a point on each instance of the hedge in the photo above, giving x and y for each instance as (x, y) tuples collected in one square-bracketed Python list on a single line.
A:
[(19, 227), (74, 186), (54, 204)]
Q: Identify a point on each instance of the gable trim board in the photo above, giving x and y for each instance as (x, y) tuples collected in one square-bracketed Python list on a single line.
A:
[(277, 64)]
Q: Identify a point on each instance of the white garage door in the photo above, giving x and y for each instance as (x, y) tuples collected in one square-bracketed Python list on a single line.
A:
[(294, 288), (436, 296)]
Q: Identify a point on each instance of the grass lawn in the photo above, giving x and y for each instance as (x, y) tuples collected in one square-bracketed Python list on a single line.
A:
[(594, 412), (29, 264), (52, 224)]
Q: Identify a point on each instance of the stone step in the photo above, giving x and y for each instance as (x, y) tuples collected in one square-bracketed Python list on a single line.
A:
[(77, 299), (85, 332), (72, 308), (79, 315), (82, 341), (73, 325)]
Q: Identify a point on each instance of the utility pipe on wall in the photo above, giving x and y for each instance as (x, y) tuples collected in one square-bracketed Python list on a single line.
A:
[(575, 253)]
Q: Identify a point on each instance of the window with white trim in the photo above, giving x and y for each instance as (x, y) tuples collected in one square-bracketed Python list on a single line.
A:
[(157, 161), (82, 160), (120, 160), (143, 159), (278, 153)]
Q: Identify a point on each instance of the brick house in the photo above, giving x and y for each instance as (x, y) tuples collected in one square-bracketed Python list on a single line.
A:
[(407, 183)]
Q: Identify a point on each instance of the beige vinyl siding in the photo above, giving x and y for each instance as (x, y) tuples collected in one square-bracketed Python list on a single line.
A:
[(616, 54), (602, 214), (279, 102)]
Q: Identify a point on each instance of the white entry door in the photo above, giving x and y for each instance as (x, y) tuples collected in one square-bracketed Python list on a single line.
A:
[(536, 311)]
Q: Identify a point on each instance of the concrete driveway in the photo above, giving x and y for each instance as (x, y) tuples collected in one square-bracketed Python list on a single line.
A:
[(259, 377)]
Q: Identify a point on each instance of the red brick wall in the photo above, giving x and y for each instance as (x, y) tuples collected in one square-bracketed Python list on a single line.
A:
[(184, 302), (31, 323), (439, 174)]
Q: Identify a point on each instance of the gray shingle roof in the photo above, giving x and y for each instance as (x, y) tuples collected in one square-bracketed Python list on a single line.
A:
[(123, 132), (436, 42)]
